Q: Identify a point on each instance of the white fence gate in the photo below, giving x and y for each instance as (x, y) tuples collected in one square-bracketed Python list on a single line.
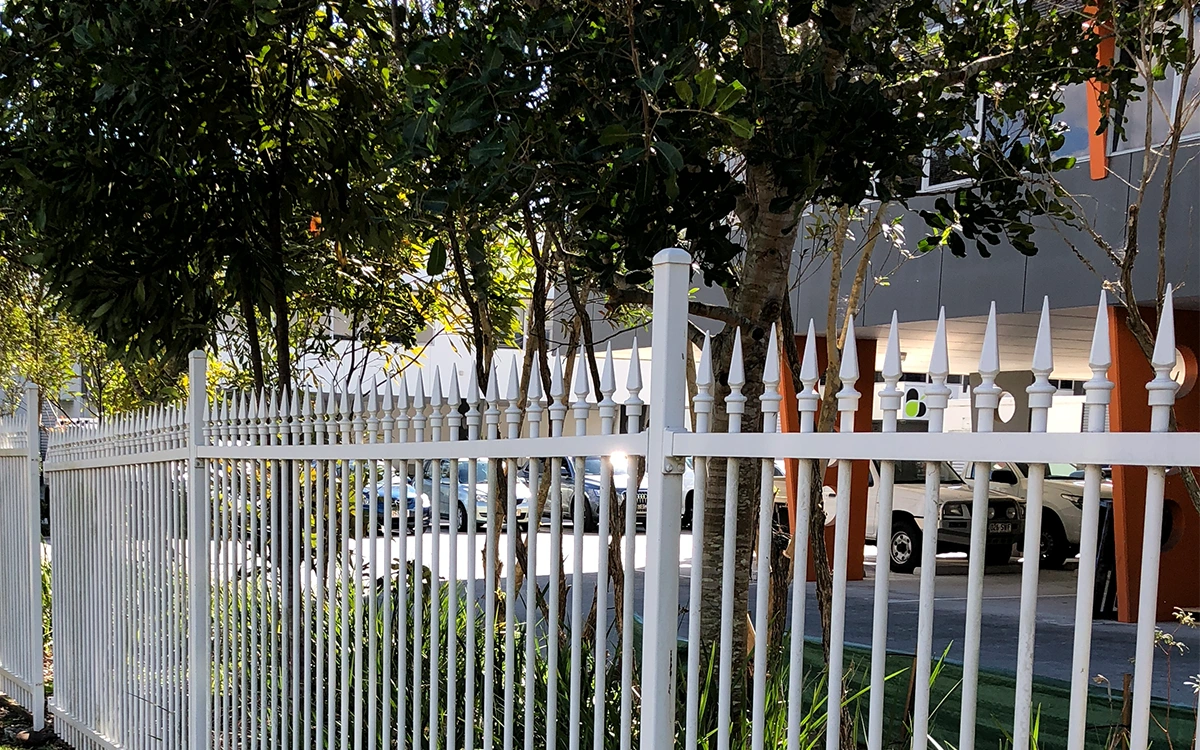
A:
[(359, 577), (120, 576), (21, 675)]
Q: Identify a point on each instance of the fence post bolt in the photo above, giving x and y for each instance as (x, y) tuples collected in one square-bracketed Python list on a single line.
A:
[(669, 342)]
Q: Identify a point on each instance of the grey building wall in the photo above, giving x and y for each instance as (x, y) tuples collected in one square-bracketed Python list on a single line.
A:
[(917, 286)]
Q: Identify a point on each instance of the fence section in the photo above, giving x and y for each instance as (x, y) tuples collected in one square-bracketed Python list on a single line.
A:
[(118, 497), (21, 647), (406, 567)]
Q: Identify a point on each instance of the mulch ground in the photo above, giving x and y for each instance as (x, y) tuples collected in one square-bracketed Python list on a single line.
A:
[(15, 733)]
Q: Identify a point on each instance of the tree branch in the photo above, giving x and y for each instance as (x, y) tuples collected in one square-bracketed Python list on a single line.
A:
[(630, 296), (949, 77)]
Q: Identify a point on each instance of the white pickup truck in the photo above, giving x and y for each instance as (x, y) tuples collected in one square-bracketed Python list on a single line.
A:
[(1006, 516), (1062, 502)]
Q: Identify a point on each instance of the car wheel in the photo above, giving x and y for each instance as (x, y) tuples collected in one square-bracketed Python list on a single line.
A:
[(904, 552), (1054, 541), (462, 517), (997, 554), (686, 522)]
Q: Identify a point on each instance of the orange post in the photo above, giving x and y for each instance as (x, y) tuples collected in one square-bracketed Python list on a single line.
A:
[(1179, 580), (859, 477)]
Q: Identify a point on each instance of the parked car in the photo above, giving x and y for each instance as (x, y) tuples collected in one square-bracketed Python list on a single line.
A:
[(1062, 503), (591, 488), (388, 508), (1006, 517), (457, 512), (689, 484)]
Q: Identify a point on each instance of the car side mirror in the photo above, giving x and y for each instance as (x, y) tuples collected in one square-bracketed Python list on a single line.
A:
[(1004, 476)]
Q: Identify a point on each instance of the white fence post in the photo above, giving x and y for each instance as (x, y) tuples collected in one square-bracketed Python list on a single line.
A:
[(33, 415), (665, 484), (199, 657)]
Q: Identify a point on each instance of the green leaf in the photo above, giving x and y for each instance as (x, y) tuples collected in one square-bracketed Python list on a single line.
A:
[(684, 90), (486, 151), (730, 95), (741, 127), (436, 265), (613, 134), (707, 81), (670, 153), (654, 82), (672, 186), (464, 124)]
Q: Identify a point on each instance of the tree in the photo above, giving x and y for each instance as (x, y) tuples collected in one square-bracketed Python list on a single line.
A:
[(1014, 172), (246, 139), (629, 127)]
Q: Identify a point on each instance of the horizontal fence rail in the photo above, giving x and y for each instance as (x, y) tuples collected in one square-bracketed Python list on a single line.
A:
[(432, 564), (21, 637)]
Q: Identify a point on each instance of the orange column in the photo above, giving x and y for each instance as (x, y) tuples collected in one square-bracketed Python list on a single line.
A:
[(860, 475), (1179, 579), (1097, 152)]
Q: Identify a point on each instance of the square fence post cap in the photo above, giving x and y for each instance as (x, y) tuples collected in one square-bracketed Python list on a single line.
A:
[(672, 255)]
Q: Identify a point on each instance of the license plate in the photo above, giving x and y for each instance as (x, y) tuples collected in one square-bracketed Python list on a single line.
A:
[(641, 500), (1000, 528)]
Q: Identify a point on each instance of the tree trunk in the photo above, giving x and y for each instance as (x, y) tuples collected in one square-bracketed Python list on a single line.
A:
[(251, 319), (758, 298)]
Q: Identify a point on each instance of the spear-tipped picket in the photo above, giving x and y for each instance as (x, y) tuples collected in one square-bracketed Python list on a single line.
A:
[(1162, 388), (1161, 397), (418, 404), (272, 420), (771, 397), (492, 399), (1041, 392), (735, 402), (534, 408), (474, 416), (987, 399), (608, 386), (1041, 396), (402, 406), (633, 383), (454, 400), (770, 411), (435, 403), (322, 406), (848, 373), (581, 407), (512, 394), (807, 400), (890, 395), (558, 397), (373, 414), (703, 402), (890, 403)]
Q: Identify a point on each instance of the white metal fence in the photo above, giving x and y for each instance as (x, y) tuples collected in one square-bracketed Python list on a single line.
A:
[(324, 607), (119, 576), (21, 561)]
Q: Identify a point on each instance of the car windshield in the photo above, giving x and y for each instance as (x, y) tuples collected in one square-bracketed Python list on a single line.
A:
[(913, 472), (620, 465), (1053, 471), (464, 472)]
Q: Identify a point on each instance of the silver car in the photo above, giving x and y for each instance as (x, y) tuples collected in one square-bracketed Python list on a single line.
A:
[(464, 504)]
